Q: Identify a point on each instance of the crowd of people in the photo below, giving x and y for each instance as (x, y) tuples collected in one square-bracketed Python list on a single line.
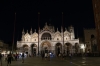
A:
[(11, 57), (46, 55)]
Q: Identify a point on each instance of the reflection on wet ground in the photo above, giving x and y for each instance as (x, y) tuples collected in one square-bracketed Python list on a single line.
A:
[(75, 61)]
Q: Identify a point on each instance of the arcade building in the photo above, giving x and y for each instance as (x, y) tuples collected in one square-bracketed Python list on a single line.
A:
[(48, 38)]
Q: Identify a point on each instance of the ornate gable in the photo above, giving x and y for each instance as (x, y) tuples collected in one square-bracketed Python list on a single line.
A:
[(46, 27), (34, 35), (58, 34)]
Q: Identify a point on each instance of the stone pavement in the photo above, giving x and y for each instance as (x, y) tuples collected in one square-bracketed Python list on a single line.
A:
[(75, 61)]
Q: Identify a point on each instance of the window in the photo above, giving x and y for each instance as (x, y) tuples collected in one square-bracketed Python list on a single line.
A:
[(70, 30), (35, 39), (57, 38), (92, 36)]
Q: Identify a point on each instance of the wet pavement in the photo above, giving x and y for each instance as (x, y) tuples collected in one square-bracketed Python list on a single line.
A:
[(75, 61)]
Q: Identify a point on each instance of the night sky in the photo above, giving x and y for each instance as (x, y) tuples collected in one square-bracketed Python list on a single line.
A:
[(78, 13)]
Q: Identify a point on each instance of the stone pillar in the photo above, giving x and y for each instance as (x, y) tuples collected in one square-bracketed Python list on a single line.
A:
[(29, 51)]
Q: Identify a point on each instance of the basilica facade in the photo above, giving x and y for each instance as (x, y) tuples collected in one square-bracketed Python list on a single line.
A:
[(48, 38)]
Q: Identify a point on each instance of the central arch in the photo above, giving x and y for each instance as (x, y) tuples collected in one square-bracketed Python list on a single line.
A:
[(46, 46)]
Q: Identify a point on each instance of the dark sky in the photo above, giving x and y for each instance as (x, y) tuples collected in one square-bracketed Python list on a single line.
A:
[(78, 13)]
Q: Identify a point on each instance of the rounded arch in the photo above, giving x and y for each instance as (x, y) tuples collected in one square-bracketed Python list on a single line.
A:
[(46, 43), (25, 45), (76, 47), (33, 45), (68, 45), (58, 48), (25, 48), (46, 46), (46, 35), (67, 48), (33, 49), (58, 44)]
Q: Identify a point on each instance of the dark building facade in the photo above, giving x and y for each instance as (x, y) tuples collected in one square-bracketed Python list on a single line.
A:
[(96, 9)]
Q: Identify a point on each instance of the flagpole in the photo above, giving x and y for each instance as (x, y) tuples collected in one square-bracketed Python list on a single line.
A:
[(63, 33), (38, 31), (13, 34)]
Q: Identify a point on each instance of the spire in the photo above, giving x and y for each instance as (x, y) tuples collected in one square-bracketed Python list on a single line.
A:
[(61, 29), (65, 29), (27, 31), (71, 26), (53, 29), (57, 29), (23, 32), (31, 31), (46, 23), (35, 30), (77, 34)]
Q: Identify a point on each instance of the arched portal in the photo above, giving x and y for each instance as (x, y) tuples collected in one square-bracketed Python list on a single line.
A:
[(25, 48), (46, 46), (58, 48), (68, 47), (76, 47), (33, 49)]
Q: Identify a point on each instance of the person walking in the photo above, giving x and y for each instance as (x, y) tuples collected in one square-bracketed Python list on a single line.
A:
[(42, 54), (22, 57), (49, 56), (16, 56), (1, 58), (9, 58)]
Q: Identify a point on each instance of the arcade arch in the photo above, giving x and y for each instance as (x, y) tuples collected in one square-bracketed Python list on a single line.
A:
[(33, 49), (76, 47), (25, 48), (68, 47), (58, 48)]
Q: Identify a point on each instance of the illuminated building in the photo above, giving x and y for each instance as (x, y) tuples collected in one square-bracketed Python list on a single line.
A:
[(90, 38), (4, 48), (50, 40)]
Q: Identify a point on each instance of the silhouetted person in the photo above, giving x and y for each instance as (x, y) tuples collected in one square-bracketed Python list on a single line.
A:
[(1, 58), (16, 55), (42, 54), (22, 57), (9, 57)]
